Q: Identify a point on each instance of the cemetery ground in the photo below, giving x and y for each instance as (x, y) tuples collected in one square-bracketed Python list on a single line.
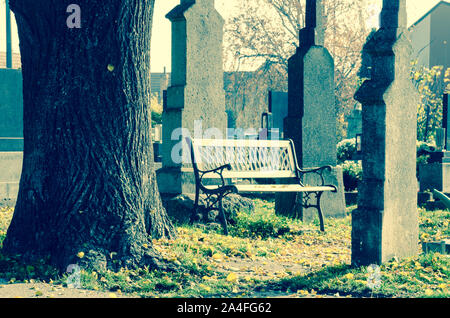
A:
[(264, 256)]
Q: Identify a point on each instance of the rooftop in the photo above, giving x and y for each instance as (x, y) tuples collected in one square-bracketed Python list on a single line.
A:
[(430, 12)]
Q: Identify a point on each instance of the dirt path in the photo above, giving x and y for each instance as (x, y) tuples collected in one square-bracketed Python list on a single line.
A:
[(41, 290)]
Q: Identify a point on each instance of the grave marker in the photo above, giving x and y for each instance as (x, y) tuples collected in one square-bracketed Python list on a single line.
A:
[(311, 120), (385, 225), (196, 95)]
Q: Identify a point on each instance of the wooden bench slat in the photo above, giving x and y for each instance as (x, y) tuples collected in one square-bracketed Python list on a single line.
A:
[(250, 188), (251, 175)]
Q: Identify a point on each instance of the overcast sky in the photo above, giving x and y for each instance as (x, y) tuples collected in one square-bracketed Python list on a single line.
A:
[(161, 27)]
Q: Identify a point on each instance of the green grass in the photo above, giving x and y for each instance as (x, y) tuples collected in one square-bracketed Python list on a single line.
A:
[(434, 225), (424, 276), (264, 252)]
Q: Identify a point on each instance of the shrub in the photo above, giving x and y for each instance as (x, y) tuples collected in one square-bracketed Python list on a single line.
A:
[(423, 150), (423, 153), (156, 110), (346, 149), (352, 174)]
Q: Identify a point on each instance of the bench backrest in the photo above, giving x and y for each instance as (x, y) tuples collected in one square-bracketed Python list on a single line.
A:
[(248, 158)]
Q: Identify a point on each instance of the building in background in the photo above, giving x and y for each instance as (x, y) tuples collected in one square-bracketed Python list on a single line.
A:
[(430, 37), (16, 63), (159, 83)]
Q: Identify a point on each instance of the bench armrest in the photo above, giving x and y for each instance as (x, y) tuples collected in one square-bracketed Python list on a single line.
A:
[(218, 171), (320, 172), (314, 170)]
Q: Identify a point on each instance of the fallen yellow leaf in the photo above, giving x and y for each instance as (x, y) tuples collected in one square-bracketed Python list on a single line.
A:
[(349, 276), (203, 286), (232, 278), (303, 292)]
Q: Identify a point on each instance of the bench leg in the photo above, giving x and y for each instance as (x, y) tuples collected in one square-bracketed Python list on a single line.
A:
[(319, 211), (197, 198), (222, 216)]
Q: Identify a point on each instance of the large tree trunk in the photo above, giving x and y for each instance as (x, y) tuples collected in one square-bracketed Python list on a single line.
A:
[(88, 182)]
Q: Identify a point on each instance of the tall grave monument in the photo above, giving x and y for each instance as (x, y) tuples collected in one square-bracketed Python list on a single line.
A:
[(195, 103), (311, 120), (385, 225)]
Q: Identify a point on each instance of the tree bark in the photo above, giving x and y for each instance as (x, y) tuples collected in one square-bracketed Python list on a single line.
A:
[(88, 182)]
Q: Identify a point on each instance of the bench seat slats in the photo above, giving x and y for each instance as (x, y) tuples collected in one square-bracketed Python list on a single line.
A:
[(250, 188), (251, 174)]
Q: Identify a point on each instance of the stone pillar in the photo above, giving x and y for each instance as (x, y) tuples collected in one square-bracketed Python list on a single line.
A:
[(385, 225), (196, 98), (311, 121)]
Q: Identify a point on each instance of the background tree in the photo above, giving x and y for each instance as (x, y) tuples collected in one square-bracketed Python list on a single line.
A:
[(88, 191), (431, 84), (266, 32)]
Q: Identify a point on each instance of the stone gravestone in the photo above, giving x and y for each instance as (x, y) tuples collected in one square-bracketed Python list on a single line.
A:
[(354, 123), (446, 125), (278, 107), (446, 121), (11, 110), (11, 134), (195, 102), (385, 225), (435, 174), (311, 121)]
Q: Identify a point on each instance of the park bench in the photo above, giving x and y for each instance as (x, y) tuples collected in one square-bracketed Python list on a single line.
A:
[(230, 163)]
